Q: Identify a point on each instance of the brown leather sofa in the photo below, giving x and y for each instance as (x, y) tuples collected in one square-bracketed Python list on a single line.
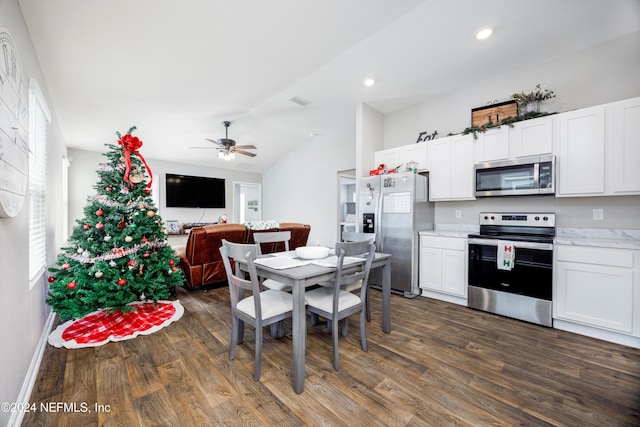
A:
[(201, 261)]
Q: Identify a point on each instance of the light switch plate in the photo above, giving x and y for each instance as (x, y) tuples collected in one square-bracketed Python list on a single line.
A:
[(458, 213), (598, 214)]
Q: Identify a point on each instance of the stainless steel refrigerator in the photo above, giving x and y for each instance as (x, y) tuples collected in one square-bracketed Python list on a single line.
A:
[(396, 207)]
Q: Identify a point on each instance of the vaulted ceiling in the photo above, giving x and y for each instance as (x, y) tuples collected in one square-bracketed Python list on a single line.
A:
[(178, 69)]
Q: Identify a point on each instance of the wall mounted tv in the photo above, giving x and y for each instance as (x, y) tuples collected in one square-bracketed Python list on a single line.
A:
[(185, 191)]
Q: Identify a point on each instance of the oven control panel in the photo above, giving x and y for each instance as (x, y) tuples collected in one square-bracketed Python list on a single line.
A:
[(535, 219)]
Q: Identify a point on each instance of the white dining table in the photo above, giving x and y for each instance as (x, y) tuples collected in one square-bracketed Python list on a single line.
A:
[(301, 277)]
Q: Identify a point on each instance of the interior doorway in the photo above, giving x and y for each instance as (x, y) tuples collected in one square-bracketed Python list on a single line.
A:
[(346, 201), (247, 198)]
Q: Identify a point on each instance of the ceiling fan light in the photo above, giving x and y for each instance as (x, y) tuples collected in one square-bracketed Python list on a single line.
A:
[(226, 155)]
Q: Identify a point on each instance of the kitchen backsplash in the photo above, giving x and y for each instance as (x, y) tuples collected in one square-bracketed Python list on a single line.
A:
[(575, 212)]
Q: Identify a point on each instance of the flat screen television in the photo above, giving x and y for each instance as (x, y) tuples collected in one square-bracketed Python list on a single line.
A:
[(185, 191)]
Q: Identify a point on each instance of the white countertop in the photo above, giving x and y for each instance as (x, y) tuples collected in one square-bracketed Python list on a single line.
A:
[(595, 237), (451, 230), (598, 237)]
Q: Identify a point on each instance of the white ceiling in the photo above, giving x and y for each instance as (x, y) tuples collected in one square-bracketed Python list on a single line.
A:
[(178, 69)]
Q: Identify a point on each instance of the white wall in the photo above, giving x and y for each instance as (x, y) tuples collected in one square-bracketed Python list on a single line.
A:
[(23, 311), (83, 176), (603, 73), (303, 187)]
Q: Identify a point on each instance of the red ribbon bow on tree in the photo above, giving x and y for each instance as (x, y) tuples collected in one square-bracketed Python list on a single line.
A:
[(131, 144)]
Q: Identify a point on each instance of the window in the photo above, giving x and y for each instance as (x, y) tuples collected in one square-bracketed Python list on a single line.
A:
[(38, 118)]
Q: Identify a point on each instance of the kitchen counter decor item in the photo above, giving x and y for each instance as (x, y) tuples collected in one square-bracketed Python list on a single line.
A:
[(494, 113), (383, 170), (531, 101), (312, 252)]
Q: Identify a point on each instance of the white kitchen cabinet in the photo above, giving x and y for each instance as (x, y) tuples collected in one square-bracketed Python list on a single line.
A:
[(440, 169), (597, 287), (417, 152), (389, 157), (492, 145), (532, 137), (625, 170), (582, 152), (462, 171), (400, 156), (527, 138), (451, 173), (600, 150), (443, 265)]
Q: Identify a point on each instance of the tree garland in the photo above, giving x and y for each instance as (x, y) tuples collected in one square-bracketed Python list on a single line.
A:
[(509, 121)]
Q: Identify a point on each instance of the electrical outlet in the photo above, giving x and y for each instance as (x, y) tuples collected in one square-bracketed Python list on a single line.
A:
[(598, 214), (458, 213)]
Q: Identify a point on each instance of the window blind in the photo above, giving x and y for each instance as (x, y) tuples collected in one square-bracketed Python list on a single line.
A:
[(38, 118)]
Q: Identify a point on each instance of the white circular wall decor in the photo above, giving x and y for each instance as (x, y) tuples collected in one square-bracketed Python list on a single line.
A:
[(14, 120)]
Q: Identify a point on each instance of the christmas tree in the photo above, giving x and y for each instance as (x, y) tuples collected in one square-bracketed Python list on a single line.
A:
[(118, 252)]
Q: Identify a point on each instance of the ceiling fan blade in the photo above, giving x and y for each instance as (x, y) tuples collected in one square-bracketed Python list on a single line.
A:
[(215, 142), (250, 147), (246, 153)]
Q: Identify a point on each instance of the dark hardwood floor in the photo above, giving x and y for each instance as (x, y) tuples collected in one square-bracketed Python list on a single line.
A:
[(442, 364)]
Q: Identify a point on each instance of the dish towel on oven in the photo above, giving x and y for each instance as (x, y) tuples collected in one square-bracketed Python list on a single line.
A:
[(506, 255)]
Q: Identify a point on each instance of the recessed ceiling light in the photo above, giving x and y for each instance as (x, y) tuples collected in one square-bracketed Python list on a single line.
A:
[(369, 82), (484, 33)]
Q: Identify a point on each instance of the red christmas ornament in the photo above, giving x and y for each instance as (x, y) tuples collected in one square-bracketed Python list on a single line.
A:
[(99, 212), (51, 279), (146, 255), (87, 226), (109, 188), (122, 282), (174, 269), (71, 285), (99, 226), (146, 190), (66, 266), (171, 262), (145, 240)]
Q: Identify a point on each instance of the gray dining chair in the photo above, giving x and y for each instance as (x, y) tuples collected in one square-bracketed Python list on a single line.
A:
[(273, 237), (334, 302), (354, 236), (262, 308)]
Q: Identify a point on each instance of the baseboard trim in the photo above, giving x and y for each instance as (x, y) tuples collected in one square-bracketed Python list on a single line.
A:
[(32, 373)]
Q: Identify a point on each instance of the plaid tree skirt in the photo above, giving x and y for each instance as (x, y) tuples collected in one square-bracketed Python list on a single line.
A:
[(100, 327)]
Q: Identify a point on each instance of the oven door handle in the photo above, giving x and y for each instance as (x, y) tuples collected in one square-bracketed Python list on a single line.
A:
[(523, 245)]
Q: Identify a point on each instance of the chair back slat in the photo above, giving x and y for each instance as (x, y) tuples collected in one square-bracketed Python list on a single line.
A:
[(272, 237)]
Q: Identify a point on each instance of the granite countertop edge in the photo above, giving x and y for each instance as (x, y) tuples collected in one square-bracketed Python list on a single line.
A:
[(598, 237), (593, 237)]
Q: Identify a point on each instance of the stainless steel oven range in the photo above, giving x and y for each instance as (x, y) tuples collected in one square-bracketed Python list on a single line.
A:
[(511, 265)]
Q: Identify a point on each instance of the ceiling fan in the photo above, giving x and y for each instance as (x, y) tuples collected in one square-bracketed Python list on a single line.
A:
[(227, 148)]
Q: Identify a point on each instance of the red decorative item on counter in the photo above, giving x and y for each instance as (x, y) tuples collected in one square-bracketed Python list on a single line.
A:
[(382, 170)]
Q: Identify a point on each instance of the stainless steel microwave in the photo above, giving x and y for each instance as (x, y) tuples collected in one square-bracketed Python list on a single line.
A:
[(525, 176)]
